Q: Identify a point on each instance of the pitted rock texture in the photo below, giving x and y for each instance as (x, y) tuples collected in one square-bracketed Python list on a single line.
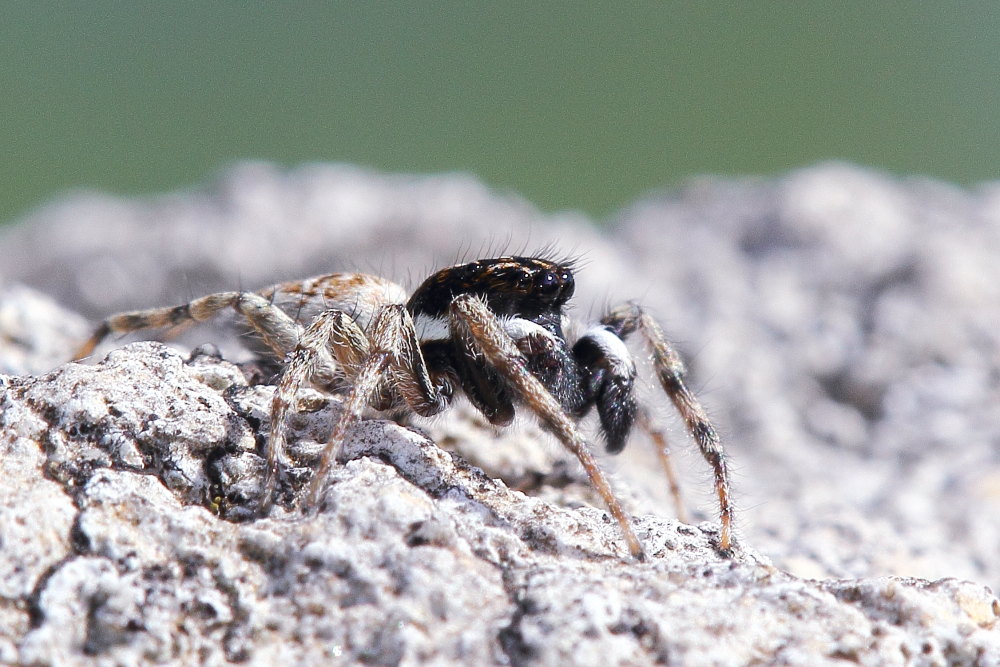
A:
[(415, 556), (839, 324)]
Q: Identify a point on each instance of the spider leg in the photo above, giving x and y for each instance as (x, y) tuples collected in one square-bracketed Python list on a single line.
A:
[(474, 323), (333, 332), (278, 330), (391, 350), (659, 439), (670, 371)]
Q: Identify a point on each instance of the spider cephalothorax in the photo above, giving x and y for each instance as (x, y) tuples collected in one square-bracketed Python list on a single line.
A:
[(527, 295), (491, 329)]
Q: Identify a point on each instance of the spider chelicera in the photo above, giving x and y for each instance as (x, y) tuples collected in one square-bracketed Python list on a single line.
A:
[(492, 329)]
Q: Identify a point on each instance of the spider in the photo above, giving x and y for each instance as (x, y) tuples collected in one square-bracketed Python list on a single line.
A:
[(492, 329)]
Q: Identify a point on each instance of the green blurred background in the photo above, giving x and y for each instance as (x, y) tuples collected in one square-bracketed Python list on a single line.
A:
[(572, 104)]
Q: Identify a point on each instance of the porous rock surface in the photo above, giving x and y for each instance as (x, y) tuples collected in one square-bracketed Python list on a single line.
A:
[(841, 328)]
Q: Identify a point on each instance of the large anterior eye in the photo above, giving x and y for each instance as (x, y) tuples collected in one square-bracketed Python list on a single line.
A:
[(547, 283)]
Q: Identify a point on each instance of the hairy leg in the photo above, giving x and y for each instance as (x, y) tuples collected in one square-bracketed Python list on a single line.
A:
[(670, 371), (278, 330), (659, 439), (390, 351), (332, 333), (474, 323)]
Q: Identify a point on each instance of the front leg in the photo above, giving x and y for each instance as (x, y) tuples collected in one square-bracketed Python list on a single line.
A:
[(481, 332), (670, 371), (611, 386)]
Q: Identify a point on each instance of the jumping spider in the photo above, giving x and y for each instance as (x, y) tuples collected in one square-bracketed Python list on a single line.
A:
[(491, 329)]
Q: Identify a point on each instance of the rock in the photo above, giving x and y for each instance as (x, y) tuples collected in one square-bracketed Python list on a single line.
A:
[(36, 331), (839, 325)]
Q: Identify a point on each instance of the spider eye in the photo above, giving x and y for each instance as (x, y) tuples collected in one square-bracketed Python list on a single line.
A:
[(548, 283), (568, 286)]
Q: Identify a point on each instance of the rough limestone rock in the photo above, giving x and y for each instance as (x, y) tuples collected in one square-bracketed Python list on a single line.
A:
[(840, 325)]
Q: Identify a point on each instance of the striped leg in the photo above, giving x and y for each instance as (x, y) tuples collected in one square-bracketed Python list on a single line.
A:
[(670, 371), (473, 322), (390, 349), (278, 330), (659, 439)]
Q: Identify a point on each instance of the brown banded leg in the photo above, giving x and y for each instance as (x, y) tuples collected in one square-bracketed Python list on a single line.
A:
[(670, 371), (332, 333), (479, 328), (278, 330), (390, 349), (659, 439)]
